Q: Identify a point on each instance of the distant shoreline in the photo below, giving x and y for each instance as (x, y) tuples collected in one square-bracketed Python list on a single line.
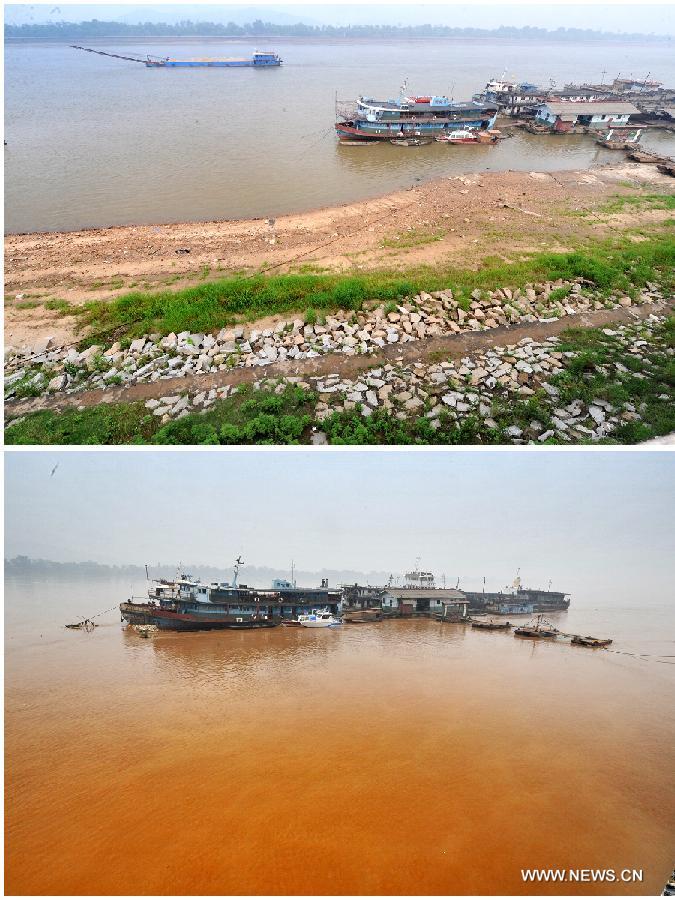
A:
[(618, 40)]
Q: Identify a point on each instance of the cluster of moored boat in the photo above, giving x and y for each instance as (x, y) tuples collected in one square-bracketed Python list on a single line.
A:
[(539, 628)]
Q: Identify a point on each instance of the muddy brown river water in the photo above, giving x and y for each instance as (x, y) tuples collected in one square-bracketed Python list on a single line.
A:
[(94, 141), (405, 757)]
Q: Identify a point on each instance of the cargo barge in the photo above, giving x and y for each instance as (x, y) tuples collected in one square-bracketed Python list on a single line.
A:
[(261, 59), (408, 117), (186, 604)]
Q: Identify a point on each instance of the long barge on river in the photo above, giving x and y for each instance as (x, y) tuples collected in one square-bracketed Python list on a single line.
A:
[(260, 59), (186, 604), (428, 116)]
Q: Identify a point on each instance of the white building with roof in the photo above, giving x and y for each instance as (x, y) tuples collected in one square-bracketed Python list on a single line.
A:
[(564, 116)]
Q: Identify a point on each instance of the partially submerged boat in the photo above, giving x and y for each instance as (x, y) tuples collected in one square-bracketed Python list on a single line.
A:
[(589, 641), (538, 628), (84, 625), (616, 139), (411, 142)]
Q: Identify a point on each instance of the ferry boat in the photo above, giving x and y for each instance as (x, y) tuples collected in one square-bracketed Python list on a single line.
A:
[(186, 604), (411, 116), (261, 59)]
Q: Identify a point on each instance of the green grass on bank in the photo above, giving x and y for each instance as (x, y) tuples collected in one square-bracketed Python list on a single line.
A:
[(248, 417), (265, 417), (618, 265), (622, 202)]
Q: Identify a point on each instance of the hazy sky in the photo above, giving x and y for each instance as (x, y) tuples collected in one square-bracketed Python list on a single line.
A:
[(600, 519), (627, 17)]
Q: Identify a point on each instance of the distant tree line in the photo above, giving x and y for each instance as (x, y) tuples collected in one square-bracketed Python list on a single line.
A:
[(260, 576), (96, 29)]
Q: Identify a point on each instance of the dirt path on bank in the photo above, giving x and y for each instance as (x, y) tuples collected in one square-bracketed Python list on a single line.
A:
[(456, 220), (453, 346)]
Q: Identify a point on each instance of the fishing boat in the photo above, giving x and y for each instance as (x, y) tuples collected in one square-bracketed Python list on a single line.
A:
[(590, 641), (492, 626), (538, 628), (319, 618), (410, 116)]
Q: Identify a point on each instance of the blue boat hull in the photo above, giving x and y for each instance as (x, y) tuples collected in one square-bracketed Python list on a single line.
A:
[(373, 131), (212, 64)]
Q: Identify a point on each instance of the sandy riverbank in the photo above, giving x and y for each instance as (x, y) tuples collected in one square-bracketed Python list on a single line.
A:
[(457, 220)]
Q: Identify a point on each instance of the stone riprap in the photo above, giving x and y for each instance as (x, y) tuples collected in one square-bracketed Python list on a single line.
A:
[(474, 387), (44, 368)]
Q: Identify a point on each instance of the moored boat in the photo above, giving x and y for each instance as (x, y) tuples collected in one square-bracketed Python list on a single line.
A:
[(492, 626), (589, 641), (407, 117), (620, 140), (411, 142), (319, 618), (538, 628), (185, 604)]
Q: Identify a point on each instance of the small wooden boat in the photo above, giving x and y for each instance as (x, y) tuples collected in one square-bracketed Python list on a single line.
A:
[(589, 641), (620, 140), (363, 617), (492, 626), (411, 142), (291, 623), (538, 628), (85, 625)]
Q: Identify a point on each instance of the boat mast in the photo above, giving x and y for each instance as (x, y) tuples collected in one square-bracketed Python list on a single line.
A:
[(237, 563)]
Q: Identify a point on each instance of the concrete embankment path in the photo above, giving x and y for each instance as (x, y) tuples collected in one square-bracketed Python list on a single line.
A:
[(454, 346)]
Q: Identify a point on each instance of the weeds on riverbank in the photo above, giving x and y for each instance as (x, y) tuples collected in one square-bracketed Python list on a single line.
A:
[(618, 265), (248, 417), (603, 368)]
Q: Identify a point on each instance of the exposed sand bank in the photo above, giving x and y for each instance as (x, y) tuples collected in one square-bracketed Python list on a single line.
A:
[(457, 220)]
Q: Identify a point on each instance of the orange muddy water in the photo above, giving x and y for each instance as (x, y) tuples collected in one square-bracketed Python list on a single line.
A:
[(405, 757)]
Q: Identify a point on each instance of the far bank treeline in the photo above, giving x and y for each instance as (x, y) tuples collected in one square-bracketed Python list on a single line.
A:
[(98, 29)]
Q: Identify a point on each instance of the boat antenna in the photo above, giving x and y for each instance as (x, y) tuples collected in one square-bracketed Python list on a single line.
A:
[(550, 582), (403, 89), (457, 585), (237, 563), (452, 90), (147, 577), (293, 573)]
